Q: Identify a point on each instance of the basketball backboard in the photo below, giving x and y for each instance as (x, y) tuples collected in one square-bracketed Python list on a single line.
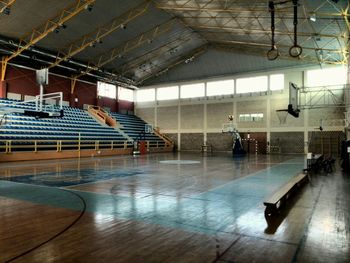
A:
[(148, 128), (42, 76), (293, 106)]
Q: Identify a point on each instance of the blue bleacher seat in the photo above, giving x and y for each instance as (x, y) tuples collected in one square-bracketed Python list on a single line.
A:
[(20, 128), (75, 123), (135, 127)]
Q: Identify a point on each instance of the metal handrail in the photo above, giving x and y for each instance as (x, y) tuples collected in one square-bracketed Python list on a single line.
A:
[(61, 145)]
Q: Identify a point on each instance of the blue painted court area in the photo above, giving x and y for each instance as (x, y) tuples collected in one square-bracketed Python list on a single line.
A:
[(73, 177), (208, 212)]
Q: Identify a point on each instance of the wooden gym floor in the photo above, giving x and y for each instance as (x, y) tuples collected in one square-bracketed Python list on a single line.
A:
[(170, 208)]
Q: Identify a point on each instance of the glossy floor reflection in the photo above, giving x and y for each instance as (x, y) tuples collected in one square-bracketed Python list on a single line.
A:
[(187, 206)]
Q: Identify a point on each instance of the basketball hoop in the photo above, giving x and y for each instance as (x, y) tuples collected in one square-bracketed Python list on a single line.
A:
[(282, 115), (228, 127)]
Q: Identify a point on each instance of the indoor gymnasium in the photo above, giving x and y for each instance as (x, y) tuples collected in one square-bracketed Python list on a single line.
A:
[(174, 131)]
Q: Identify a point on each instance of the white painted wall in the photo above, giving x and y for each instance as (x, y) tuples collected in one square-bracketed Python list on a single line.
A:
[(14, 96), (205, 115)]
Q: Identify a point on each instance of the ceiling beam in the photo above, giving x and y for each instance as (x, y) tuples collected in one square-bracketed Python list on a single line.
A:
[(220, 16), (262, 53), (259, 52), (190, 56), (346, 16), (126, 47), (50, 25), (152, 55), (260, 31), (6, 4), (97, 35), (269, 45), (240, 10), (179, 19)]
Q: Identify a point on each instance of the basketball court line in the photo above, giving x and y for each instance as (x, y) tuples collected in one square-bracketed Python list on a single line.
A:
[(255, 173), (221, 205)]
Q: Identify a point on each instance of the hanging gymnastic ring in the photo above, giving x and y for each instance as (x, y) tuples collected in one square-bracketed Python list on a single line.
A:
[(295, 51), (273, 53)]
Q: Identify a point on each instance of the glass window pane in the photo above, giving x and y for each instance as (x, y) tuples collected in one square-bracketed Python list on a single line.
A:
[(251, 117), (144, 95), (326, 77), (254, 84), (106, 90), (221, 87), (192, 90), (277, 82), (168, 93), (125, 94)]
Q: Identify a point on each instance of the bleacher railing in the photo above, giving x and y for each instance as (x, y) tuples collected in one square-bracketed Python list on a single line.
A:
[(165, 138), (60, 145), (11, 146), (102, 115)]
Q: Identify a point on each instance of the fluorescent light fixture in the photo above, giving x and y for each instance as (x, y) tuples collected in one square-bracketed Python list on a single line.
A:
[(313, 17)]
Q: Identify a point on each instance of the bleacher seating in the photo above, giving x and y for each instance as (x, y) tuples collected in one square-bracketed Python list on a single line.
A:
[(74, 126), (77, 127), (135, 128)]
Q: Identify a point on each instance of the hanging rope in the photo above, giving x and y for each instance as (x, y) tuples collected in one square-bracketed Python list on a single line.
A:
[(273, 53), (295, 50)]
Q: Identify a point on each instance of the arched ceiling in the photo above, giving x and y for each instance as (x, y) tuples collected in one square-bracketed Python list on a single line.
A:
[(133, 41)]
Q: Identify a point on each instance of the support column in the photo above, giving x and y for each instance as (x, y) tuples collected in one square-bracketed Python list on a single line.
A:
[(347, 98), (3, 89), (205, 120), (234, 112), (306, 131), (3, 84), (3, 68), (73, 83), (155, 113), (205, 124), (179, 126), (268, 122)]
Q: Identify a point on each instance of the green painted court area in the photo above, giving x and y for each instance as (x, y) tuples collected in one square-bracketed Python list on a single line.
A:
[(200, 203)]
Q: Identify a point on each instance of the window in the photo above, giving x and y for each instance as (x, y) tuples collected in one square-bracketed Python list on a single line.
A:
[(221, 87), (244, 117), (168, 93), (192, 90), (144, 95), (247, 117), (326, 77), (254, 84), (277, 82), (125, 94), (106, 90)]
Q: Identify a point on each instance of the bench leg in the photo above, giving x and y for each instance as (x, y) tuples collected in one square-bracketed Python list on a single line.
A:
[(270, 211)]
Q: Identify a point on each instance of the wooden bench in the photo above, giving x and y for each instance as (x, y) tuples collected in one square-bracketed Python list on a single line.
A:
[(274, 202)]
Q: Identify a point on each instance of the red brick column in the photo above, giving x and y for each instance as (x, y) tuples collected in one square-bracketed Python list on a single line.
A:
[(3, 89)]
